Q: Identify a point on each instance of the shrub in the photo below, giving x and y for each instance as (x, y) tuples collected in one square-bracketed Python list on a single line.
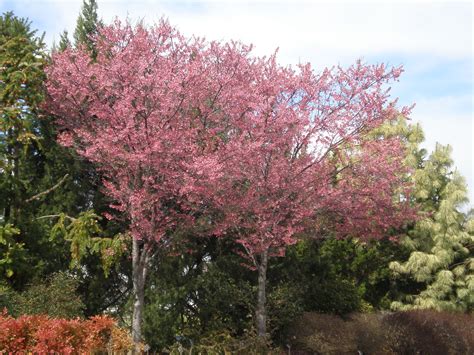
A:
[(370, 334), (334, 297), (224, 343), (41, 334), (430, 332), (413, 332), (57, 297), (322, 334)]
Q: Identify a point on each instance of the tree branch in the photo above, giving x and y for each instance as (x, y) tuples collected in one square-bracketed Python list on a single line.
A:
[(51, 189), (57, 216)]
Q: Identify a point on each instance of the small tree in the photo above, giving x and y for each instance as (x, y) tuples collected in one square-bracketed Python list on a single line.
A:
[(302, 160), (64, 41)]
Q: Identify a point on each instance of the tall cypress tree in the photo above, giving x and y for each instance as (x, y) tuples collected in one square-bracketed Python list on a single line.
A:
[(441, 241), (42, 182)]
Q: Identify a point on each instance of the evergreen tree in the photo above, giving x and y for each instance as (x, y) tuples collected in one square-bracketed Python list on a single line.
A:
[(64, 41), (22, 58), (87, 26), (441, 241), (46, 192)]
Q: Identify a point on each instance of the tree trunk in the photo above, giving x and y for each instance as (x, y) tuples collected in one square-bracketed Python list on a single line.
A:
[(260, 313), (140, 255)]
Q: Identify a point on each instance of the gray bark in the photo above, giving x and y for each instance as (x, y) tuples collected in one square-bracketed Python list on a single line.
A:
[(260, 313), (140, 259)]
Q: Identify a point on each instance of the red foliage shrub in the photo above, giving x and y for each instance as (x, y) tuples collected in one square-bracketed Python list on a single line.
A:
[(41, 334)]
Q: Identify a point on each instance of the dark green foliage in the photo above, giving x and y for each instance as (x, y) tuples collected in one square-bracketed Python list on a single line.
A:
[(204, 290), (336, 297), (46, 192), (338, 276), (22, 58), (197, 290), (284, 304)]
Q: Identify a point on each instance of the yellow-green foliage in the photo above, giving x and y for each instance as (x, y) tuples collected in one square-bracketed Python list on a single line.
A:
[(10, 249), (441, 240), (85, 236)]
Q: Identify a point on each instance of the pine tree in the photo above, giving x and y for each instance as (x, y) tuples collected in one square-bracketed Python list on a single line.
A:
[(87, 26), (441, 241)]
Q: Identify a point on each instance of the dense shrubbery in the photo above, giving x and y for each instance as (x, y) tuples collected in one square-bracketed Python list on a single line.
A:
[(41, 334), (413, 332)]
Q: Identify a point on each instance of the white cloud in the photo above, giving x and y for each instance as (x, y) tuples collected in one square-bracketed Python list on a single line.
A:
[(321, 32)]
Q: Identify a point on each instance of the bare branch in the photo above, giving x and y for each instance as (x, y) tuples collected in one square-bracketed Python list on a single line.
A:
[(57, 216), (51, 189)]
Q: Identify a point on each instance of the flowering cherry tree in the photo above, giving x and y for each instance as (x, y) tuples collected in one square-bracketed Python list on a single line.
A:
[(302, 156), (177, 124), (122, 112), (149, 111)]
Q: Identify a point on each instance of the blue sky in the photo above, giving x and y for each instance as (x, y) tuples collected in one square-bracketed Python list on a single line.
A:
[(432, 40)]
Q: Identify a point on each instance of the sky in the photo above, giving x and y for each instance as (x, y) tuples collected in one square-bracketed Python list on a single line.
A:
[(432, 40)]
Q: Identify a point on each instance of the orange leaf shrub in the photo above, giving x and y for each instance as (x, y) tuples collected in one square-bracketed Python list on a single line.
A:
[(41, 334)]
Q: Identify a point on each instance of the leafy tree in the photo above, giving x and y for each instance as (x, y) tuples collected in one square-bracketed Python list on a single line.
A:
[(144, 173), (441, 241), (204, 291), (43, 186), (22, 59)]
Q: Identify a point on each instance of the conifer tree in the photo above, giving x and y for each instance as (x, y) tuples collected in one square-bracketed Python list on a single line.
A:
[(45, 190), (64, 41), (87, 26), (441, 241), (22, 58)]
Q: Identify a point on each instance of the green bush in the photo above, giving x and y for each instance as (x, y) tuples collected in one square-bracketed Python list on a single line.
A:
[(56, 297), (334, 297)]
